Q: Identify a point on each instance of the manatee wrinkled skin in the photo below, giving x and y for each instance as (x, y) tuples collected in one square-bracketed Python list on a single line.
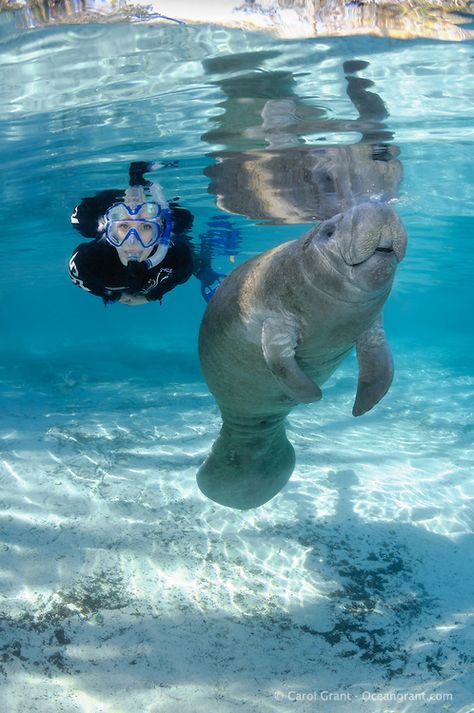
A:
[(278, 327)]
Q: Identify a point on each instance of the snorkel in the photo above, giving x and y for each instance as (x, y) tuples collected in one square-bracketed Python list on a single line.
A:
[(157, 195)]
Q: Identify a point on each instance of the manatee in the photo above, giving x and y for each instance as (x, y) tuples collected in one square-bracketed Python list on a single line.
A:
[(277, 328)]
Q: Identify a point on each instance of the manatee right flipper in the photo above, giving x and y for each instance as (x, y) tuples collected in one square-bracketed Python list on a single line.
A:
[(279, 340), (375, 367)]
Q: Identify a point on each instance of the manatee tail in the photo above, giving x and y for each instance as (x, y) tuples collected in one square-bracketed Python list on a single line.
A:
[(247, 467)]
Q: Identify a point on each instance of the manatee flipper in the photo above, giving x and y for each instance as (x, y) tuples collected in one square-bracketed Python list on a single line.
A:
[(279, 340), (375, 368)]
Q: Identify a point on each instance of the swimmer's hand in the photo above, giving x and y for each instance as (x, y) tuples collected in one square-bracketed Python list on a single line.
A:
[(133, 300)]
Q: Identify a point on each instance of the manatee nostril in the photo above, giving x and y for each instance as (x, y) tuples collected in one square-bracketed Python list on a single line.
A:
[(385, 244), (381, 152), (385, 241)]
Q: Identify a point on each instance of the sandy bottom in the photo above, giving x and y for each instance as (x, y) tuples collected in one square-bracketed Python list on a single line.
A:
[(123, 588)]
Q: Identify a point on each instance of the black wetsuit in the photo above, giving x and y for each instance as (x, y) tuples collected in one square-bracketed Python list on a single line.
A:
[(95, 266)]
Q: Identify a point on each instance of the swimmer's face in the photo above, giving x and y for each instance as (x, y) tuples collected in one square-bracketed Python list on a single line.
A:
[(132, 249)]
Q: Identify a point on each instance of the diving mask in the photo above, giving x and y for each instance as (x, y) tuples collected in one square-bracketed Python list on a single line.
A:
[(148, 222)]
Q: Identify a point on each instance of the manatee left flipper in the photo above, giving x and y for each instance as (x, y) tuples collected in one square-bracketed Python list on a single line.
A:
[(375, 368), (279, 340)]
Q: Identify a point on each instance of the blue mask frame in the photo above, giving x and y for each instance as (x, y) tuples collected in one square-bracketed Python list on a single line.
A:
[(161, 222)]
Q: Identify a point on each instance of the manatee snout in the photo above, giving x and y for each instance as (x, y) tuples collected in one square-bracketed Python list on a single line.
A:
[(373, 228), (246, 471)]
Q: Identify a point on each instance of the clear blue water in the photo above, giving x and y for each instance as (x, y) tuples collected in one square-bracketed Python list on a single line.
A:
[(121, 584)]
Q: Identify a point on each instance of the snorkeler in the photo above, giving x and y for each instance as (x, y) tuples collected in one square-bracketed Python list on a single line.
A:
[(141, 248)]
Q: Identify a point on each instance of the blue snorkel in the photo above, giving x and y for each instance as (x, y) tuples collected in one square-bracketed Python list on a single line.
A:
[(165, 240)]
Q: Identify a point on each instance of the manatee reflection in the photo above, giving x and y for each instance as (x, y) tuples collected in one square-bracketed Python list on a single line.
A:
[(267, 170)]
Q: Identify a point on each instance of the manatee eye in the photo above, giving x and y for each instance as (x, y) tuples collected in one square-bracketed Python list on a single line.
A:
[(325, 179), (381, 152), (329, 230)]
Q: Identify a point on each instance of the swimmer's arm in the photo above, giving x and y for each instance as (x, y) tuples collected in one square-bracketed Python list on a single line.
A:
[(83, 273)]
